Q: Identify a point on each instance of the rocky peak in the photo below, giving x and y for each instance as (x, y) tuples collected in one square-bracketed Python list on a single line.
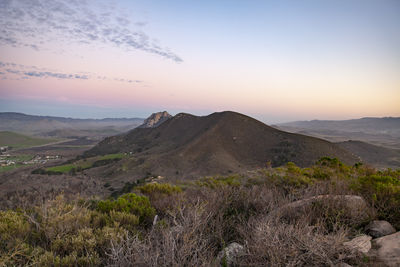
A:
[(155, 119)]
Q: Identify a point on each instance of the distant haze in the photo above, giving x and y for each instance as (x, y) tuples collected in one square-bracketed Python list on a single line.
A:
[(277, 61)]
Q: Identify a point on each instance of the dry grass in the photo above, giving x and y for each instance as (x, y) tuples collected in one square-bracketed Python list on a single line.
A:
[(185, 243), (279, 244), (206, 220)]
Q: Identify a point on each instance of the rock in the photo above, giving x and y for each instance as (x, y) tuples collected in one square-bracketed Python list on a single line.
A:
[(155, 119), (379, 229), (387, 249), (227, 256), (356, 205), (360, 243)]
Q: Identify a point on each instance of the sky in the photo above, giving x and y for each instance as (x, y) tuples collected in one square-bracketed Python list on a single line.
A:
[(277, 61)]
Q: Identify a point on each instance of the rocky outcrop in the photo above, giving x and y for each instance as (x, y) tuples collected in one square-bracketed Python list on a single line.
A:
[(228, 255), (387, 249), (384, 250), (155, 119), (379, 228), (360, 243)]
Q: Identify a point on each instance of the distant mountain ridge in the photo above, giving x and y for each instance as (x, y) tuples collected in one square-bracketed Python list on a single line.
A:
[(387, 125), (190, 146), (65, 127), (379, 131), (21, 116)]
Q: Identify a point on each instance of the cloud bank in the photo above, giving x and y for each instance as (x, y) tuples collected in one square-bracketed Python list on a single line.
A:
[(21, 72), (34, 23)]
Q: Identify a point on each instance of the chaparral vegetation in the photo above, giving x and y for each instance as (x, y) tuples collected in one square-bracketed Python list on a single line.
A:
[(190, 223)]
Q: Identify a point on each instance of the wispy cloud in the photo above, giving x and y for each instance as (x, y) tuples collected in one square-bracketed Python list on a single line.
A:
[(34, 23), (19, 71), (55, 75)]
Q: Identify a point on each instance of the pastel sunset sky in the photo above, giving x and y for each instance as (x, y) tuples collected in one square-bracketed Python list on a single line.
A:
[(274, 60)]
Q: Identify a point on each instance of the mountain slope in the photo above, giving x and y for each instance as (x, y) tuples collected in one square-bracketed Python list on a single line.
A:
[(224, 142), (373, 155)]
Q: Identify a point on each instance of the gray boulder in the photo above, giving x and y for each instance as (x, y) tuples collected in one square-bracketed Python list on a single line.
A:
[(228, 255), (387, 249), (360, 243), (379, 229), (355, 205)]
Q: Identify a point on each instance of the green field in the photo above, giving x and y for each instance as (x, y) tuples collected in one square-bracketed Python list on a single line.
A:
[(16, 140), (62, 168), (12, 167), (8, 168), (86, 163)]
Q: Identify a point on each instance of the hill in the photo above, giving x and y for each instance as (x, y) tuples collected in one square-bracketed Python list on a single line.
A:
[(65, 127), (220, 143), (15, 140), (379, 131), (380, 157)]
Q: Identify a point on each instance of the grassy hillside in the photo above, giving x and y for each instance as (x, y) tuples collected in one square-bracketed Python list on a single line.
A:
[(16, 140), (81, 165), (196, 220)]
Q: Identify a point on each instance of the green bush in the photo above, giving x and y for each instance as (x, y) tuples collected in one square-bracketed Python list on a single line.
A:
[(60, 233), (14, 233), (129, 203), (292, 168), (215, 182), (383, 191), (46, 172), (334, 164), (329, 162), (321, 173)]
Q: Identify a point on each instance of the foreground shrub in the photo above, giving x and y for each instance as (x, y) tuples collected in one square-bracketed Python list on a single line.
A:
[(195, 224), (163, 197), (14, 235), (186, 242), (279, 244), (383, 192), (129, 203), (335, 214), (57, 233)]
